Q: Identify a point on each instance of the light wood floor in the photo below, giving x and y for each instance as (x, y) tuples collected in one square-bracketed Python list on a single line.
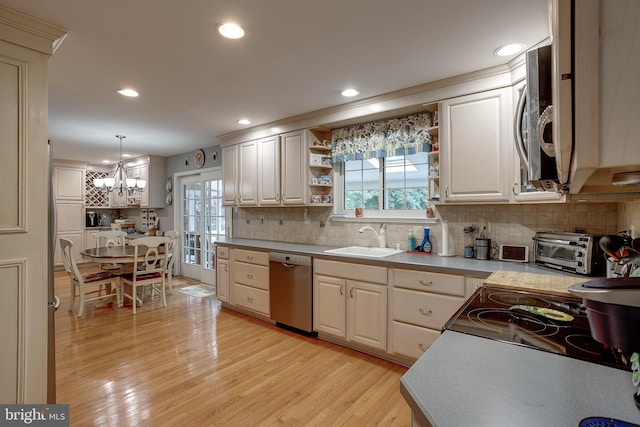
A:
[(195, 364)]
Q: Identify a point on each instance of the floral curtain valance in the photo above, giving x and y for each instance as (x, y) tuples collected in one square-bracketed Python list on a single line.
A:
[(390, 137)]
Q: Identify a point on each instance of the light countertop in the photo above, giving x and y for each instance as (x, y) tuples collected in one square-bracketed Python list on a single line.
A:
[(448, 265), (464, 380)]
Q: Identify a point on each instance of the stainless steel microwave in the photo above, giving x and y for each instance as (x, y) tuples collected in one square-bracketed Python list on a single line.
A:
[(573, 252)]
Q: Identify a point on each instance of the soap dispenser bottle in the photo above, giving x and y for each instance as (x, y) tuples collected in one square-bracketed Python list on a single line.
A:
[(425, 246), (411, 241)]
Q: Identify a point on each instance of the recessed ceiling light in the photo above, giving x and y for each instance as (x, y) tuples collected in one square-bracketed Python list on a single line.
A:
[(509, 49), (106, 162), (276, 129), (244, 121), (128, 92), (231, 30), (126, 155), (349, 92)]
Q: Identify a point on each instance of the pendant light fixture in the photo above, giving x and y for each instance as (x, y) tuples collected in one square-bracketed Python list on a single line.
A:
[(119, 181)]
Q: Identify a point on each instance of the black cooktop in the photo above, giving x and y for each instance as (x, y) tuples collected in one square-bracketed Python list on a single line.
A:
[(552, 323)]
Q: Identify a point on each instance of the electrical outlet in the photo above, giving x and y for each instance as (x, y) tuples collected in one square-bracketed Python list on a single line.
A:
[(261, 219), (307, 220)]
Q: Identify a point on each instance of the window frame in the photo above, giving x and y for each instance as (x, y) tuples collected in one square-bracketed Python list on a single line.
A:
[(339, 213)]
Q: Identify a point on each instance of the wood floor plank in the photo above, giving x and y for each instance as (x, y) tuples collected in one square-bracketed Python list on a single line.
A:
[(194, 363)]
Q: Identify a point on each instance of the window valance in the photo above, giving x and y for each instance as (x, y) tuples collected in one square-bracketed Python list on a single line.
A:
[(382, 138)]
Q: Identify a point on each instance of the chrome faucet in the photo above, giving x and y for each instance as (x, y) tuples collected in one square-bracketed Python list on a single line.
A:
[(381, 236)]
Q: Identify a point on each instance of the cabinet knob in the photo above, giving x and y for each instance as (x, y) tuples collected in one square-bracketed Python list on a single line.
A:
[(250, 299), (250, 258), (426, 282), (425, 312), (351, 292), (446, 191), (225, 268), (341, 289), (249, 276), (423, 347), (515, 189)]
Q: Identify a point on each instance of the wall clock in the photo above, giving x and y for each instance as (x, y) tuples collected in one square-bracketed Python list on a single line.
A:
[(199, 158)]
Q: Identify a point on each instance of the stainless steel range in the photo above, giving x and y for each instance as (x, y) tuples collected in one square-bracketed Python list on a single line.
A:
[(557, 324)]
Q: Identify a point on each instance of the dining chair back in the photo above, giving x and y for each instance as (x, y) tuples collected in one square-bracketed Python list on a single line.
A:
[(151, 262), (109, 239), (91, 285), (173, 249)]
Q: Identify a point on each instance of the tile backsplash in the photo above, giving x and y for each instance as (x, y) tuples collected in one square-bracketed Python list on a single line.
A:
[(505, 224)]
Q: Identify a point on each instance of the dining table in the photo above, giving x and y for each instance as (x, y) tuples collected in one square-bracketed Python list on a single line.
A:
[(116, 255)]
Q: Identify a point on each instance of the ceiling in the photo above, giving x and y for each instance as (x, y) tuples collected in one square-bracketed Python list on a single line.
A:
[(296, 57)]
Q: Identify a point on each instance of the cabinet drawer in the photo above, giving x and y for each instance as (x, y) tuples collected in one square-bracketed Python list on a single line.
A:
[(430, 282), (411, 341), (251, 298), (251, 275), (222, 252), (252, 257), (424, 309), (347, 270)]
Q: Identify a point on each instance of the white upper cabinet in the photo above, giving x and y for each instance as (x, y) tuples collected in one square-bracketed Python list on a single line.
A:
[(475, 146), (248, 173), (293, 168), (269, 171), (230, 175), (281, 169), (68, 183)]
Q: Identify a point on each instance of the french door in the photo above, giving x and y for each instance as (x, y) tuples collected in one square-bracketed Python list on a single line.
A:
[(202, 224)]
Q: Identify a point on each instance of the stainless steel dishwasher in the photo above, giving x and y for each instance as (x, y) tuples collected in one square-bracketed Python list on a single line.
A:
[(291, 291)]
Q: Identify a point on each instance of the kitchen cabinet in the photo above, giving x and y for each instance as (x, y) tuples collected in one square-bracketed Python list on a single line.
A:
[(250, 280), (70, 225), (222, 273), (68, 183), (248, 174), (230, 175), (350, 302), (420, 304), (474, 145), (240, 174), (281, 169)]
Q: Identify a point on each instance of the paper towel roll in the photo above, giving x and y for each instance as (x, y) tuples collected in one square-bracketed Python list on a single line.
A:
[(445, 238)]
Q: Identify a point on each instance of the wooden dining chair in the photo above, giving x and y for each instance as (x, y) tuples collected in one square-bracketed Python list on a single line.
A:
[(90, 284), (173, 248), (151, 261), (109, 239)]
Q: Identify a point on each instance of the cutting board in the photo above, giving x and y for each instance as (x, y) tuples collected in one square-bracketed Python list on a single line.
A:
[(536, 282)]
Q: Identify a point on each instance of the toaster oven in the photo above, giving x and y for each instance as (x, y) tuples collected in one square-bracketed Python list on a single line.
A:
[(573, 252)]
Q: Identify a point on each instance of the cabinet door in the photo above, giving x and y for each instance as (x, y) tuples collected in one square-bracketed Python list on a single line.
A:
[(68, 183), (144, 174), (70, 218), (229, 175), (78, 245), (367, 314), (269, 170), (329, 310), (248, 173), (474, 147), (294, 156), (222, 280)]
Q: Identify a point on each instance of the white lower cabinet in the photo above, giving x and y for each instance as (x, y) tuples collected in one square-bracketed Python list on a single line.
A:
[(421, 303), (350, 302), (250, 280), (222, 273)]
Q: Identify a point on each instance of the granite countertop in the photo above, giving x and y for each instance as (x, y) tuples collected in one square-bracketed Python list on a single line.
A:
[(447, 265), (464, 380)]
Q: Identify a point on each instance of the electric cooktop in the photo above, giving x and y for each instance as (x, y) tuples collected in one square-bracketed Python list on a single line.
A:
[(557, 324)]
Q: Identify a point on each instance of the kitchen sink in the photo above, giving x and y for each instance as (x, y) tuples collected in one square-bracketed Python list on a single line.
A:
[(364, 251)]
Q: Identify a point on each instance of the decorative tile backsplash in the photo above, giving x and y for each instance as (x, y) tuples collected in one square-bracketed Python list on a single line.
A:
[(506, 224)]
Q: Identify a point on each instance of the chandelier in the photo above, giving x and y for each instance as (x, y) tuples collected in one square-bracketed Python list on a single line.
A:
[(119, 181)]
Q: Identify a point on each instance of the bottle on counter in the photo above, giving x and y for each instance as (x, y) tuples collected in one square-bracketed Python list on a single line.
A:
[(411, 241), (425, 246)]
